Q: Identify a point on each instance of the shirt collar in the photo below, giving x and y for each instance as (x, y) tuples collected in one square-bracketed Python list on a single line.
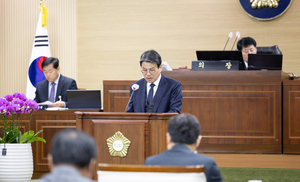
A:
[(156, 82), (246, 64), (56, 81)]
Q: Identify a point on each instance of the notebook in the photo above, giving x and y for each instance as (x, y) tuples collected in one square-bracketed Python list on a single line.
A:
[(84, 99), (264, 62)]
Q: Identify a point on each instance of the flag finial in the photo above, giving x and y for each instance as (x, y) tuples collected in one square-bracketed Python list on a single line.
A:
[(44, 10)]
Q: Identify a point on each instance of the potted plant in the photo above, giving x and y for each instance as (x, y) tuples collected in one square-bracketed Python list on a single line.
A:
[(16, 153)]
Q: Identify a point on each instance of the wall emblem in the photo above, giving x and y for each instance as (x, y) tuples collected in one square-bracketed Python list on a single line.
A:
[(265, 9)]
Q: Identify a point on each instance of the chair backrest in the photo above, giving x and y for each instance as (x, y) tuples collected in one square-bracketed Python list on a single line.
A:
[(268, 50), (137, 173)]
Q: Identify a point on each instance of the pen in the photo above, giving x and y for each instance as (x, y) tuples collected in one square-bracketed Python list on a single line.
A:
[(59, 98)]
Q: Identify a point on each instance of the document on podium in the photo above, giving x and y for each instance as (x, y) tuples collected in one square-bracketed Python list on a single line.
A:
[(48, 103), (45, 103)]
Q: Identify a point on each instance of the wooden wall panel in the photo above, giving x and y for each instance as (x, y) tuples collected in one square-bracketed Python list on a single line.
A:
[(291, 117), (241, 115), (50, 128), (295, 117), (113, 34), (18, 22)]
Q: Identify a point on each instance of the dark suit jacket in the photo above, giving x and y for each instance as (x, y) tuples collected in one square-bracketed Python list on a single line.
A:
[(181, 155), (64, 84), (168, 97)]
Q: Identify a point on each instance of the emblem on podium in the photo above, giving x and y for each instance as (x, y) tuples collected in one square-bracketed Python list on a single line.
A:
[(118, 145)]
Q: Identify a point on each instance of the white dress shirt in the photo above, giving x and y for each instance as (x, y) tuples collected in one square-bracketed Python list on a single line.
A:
[(156, 83), (50, 86)]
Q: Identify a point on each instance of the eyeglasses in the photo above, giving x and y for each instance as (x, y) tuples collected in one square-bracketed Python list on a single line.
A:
[(146, 71)]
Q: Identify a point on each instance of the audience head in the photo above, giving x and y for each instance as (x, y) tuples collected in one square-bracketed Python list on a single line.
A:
[(73, 147), (184, 129), (247, 45), (150, 63), (51, 68)]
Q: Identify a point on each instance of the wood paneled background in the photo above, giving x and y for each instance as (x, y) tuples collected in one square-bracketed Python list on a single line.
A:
[(112, 34), (18, 22)]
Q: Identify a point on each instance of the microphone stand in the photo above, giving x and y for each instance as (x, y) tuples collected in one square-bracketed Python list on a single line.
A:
[(226, 43), (129, 100), (233, 43)]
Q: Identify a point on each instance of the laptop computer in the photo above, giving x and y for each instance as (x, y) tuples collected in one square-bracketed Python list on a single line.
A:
[(84, 99), (265, 62), (215, 65), (222, 55)]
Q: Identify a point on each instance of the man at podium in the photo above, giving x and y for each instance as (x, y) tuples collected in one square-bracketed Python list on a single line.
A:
[(155, 92)]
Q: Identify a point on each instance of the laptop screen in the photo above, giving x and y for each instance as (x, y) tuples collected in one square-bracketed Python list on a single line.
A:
[(84, 99), (221, 56), (264, 62)]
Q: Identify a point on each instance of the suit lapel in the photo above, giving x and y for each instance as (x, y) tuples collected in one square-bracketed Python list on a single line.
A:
[(60, 87), (45, 90), (143, 95), (159, 93)]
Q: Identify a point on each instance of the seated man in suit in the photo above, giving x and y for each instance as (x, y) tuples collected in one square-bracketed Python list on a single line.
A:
[(73, 157), (183, 138), (54, 87), (156, 93), (247, 45)]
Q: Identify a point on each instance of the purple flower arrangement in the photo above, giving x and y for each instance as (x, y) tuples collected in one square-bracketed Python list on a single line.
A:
[(16, 104), (11, 108)]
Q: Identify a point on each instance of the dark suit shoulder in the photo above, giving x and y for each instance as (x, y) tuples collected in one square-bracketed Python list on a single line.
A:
[(66, 78), (139, 82), (171, 80), (42, 83)]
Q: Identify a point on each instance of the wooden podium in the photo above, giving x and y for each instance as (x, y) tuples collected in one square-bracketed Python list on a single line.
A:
[(239, 111), (145, 131)]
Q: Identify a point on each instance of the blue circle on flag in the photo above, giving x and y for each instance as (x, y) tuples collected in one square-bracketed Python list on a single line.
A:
[(265, 13), (35, 72)]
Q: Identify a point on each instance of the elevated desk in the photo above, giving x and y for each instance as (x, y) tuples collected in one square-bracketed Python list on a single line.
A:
[(291, 116), (239, 111)]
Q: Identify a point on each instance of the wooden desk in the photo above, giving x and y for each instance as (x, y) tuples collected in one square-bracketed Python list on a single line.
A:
[(291, 117), (239, 111)]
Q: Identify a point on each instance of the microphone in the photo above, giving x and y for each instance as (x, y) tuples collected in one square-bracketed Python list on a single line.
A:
[(229, 37), (237, 35), (134, 87)]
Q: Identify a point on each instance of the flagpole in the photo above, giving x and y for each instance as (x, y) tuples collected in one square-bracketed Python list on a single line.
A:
[(40, 51)]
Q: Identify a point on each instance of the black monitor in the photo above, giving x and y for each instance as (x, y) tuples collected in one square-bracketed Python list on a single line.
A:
[(84, 99), (222, 56), (264, 62)]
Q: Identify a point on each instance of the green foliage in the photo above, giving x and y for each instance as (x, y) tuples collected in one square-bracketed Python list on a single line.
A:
[(30, 137), (266, 175), (11, 131)]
